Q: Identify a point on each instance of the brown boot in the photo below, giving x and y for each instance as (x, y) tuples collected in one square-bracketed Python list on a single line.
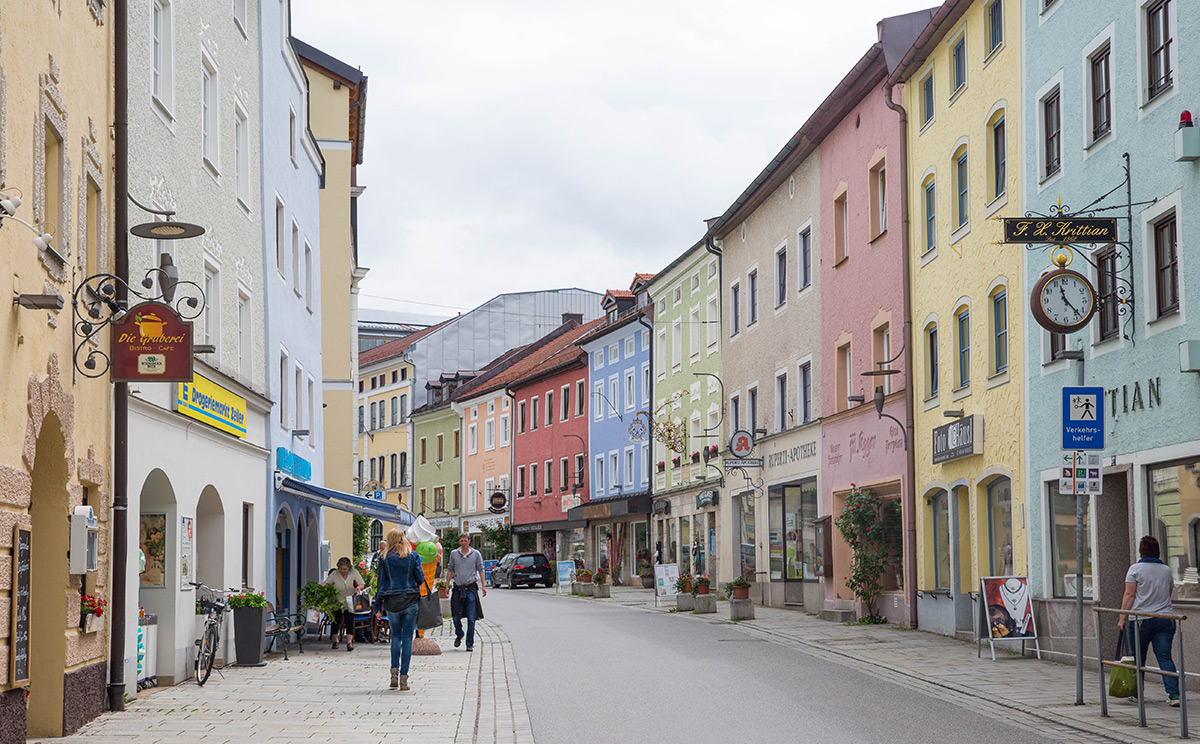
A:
[(395, 678), (403, 682)]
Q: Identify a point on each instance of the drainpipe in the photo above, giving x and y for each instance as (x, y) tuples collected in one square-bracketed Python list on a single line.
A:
[(512, 468), (650, 445), (910, 523)]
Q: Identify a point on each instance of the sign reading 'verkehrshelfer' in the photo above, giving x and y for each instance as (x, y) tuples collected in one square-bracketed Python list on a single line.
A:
[(1060, 230), (152, 344), (961, 438)]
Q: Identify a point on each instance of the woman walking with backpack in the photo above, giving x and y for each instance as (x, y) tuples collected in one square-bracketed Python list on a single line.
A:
[(400, 578)]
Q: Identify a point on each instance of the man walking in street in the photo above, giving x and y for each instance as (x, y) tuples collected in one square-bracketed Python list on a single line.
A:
[(465, 569)]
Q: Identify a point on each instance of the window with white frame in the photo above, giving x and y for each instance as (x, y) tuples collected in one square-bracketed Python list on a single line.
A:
[(997, 157), (694, 332), (958, 64), (549, 408), (1100, 93), (735, 413), (162, 54), (292, 134), (1158, 48), (614, 472), (614, 397), (841, 229), (735, 309), (805, 390), (241, 154), (521, 417), (930, 206), (565, 403), (521, 481), (660, 353), (999, 330), (577, 482), (645, 384), (629, 467), (804, 253), (962, 183), (781, 273), (298, 389), (472, 441), (472, 495), (995, 25), (598, 474), (489, 434), (239, 14), (564, 473), (1051, 134), (549, 473), (245, 341), (280, 238), (927, 98), (308, 276), (284, 415), (878, 195), (211, 327), (209, 113), (598, 400), (713, 324), (781, 402), (676, 345), (534, 421), (752, 298), (630, 390), (580, 397), (963, 323)]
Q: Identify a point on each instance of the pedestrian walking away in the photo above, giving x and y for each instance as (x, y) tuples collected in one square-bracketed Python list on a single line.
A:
[(1148, 586), (399, 586), (348, 582), (465, 571)]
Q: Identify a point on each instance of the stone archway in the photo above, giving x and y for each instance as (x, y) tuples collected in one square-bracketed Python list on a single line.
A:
[(210, 540), (312, 553), (157, 530), (285, 535)]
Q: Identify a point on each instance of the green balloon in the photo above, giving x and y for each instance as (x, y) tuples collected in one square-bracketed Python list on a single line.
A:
[(427, 550)]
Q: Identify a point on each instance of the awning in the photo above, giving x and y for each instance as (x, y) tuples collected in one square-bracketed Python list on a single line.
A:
[(381, 510)]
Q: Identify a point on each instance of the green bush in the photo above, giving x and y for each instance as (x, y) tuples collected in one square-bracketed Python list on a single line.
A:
[(323, 597), (861, 524)]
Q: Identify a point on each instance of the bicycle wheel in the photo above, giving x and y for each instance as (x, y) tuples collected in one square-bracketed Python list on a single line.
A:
[(208, 653)]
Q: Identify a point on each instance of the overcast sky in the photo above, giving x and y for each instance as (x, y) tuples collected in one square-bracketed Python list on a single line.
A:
[(533, 145)]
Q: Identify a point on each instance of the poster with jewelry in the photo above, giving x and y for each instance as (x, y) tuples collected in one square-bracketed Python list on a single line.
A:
[(1008, 607)]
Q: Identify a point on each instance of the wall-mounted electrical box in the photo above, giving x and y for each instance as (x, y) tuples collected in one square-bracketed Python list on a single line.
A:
[(1189, 356), (1187, 139), (85, 541)]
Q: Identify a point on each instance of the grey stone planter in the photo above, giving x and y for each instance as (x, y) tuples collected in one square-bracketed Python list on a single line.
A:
[(706, 604), (741, 609), (249, 635), (685, 602), (601, 591), (587, 589)]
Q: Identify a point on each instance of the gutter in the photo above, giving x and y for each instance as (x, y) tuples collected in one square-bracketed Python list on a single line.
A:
[(641, 318), (945, 14), (910, 523)]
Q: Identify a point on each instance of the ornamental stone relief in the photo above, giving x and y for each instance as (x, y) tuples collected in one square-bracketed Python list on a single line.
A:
[(93, 173), (54, 117)]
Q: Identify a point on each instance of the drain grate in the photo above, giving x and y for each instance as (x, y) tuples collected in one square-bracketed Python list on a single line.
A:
[(741, 640)]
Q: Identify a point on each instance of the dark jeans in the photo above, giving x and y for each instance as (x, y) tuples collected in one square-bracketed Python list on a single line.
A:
[(340, 623), (1158, 633), (402, 624), (469, 609)]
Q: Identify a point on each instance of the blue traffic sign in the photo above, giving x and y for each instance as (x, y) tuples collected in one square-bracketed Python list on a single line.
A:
[(1082, 418)]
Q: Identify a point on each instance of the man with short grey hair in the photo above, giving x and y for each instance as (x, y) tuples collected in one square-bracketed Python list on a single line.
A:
[(465, 569)]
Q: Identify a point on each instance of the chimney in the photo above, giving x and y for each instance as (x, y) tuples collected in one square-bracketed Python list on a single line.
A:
[(568, 317)]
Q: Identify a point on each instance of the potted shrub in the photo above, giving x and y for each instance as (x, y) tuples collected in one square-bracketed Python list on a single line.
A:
[(739, 588), (91, 613), (683, 585), (600, 576), (600, 586), (250, 626), (701, 584), (443, 589), (645, 568), (586, 587)]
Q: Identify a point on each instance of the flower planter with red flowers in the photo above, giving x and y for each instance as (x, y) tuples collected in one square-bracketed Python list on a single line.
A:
[(739, 588), (702, 584)]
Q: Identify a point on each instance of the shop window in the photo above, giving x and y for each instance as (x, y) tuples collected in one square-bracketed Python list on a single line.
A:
[(1000, 531), (743, 535), (1173, 505), (893, 538), (793, 545), (1062, 545), (941, 540)]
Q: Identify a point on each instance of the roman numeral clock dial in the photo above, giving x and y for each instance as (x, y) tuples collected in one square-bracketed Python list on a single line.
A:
[(1063, 301)]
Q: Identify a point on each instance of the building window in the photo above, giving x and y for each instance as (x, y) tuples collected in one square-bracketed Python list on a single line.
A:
[(1101, 92), (841, 230), (549, 472), (752, 298), (881, 353), (472, 440), (1000, 331), (458, 442), (961, 187), (296, 258), (598, 404), (931, 343), (781, 402), (1175, 523), (941, 540), (209, 102), (999, 164), (578, 480), (1052, 134), (393, 470), (1058, 344), (878, 195), (504, 430), (629, 467), (964, 348), (805, 252), (1158, 45), (1106, 272), (806, 392), (598, 474), (533, 413), (694, 327), (565, 402), (735, 308), (780, 276), (630, 390), (714, 321), (614, 397), (564, 473), (580, 397), (292, 135), (374, 425), (1000, 528), (930, 215), (752, 408), (1166, 267), (521, 482), (362, 415), (439, 499), (1062, 544), (162, 53), (241, 156), (676, 345), (403, 469), (212, 307), (735, 413), (521, 417), (457, 497), (284, 368), (441, 447), (308, 277), (472, 495), (927, 99), (995, 24), (245, 328), (376, 535), (958, 65)]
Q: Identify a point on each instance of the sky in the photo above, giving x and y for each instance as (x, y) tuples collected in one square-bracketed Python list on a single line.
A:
[(515, 146)]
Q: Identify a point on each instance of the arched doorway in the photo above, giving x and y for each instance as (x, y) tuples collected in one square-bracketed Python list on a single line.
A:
[(284, 535), (158, 524), (48, 583), (210, 540), (312, 551)]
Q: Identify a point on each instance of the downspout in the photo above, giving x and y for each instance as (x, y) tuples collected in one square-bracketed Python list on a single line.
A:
[(910, 521), (512, 468), (649, 442)]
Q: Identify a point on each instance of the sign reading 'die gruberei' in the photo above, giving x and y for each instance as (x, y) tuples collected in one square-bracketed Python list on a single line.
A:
[(961, 438), (152, 344), (1060, 230), (22, 557)]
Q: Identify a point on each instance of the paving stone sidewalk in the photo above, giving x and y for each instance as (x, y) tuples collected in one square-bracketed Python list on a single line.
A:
[(328, 695), (1037, 695)]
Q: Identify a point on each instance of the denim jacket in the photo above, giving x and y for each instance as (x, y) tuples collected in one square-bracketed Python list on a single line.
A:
[(398, 576)]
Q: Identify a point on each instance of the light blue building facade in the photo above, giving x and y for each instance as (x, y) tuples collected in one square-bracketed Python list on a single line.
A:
[(292, 176), (619, 378), (1102, 84)]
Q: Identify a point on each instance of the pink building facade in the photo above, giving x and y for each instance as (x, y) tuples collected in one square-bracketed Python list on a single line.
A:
[(862, 329)]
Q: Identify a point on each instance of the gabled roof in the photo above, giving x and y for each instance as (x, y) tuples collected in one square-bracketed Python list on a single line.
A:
[(568, 354), (639, 281), (521, 362), (353, 78), (393, 349), (624, 320), (618, 294)]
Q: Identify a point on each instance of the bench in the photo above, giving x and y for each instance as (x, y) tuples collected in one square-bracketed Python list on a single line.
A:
[(280, 626)]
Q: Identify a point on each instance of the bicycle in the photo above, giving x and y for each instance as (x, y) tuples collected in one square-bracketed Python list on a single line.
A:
[(210, 639)]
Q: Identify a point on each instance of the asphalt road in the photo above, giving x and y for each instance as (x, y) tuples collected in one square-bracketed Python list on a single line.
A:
[(598, 673)]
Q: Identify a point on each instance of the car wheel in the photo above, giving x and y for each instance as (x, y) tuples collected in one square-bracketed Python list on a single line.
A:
[(549, 584), (512, 584)]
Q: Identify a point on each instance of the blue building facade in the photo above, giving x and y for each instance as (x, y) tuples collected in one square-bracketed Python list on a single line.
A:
[(1102, 82), (619, 378), (292, 176)]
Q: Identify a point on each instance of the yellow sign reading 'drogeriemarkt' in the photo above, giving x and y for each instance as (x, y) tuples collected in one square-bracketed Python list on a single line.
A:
[(205, 400)]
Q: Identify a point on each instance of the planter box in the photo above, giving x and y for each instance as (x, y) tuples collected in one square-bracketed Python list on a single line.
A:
[(741, 592), (601, 590), (575, 587), (741, 609), (706, 604), (647, 582), (685, 602), (443, 593), (703, 588), (587, 589), (92, 623), (445, 605), (249, 635)]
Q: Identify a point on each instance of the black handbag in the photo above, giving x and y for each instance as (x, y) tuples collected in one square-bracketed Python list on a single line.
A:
[(429, 610), (399, 602)]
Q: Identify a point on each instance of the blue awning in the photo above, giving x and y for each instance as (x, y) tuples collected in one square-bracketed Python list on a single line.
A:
[(346, 502)]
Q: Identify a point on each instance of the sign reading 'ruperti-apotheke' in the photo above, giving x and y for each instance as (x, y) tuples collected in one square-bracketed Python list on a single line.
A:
[(1060, 230), (152, 344)]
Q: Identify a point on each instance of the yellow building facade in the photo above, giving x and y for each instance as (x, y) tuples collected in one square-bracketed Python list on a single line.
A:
[(962, 93), (56, 108), (384, 430)]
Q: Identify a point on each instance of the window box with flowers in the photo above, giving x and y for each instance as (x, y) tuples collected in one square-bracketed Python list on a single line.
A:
[(661, 466), (91, 613), (696, 456), (249, 627), (675, 461)]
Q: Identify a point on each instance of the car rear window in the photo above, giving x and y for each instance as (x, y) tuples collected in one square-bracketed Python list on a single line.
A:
[(525, 561), (540, 561)]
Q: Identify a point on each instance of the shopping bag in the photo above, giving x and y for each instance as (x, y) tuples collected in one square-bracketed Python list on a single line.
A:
[(429, 610), (1122, 682), (312, 617), (359, 603)]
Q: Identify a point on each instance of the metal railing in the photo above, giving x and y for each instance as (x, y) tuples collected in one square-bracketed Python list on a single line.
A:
[(1140, 667)]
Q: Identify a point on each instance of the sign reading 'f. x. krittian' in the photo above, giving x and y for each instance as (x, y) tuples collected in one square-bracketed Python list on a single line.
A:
[(1060, 230)]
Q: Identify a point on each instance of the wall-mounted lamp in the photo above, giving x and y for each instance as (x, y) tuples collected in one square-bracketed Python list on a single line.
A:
[(204, 348), (9, 203), (953, 414), (300, 432), (856, 398), (39, 301)]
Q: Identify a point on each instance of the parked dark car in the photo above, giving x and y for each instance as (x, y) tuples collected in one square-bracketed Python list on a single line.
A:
[(523, 568)]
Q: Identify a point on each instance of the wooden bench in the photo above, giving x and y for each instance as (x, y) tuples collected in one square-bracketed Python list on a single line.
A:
[(281, 625)]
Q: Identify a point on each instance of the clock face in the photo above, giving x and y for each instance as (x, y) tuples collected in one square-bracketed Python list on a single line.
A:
[(1064, 301)]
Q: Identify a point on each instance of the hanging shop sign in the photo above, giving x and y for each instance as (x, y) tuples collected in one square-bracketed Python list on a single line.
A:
[(206, 401), (292, 464), (152, 344), (662, 506), (961, 438), (497, 502), (707, 497), (1060, 230)]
